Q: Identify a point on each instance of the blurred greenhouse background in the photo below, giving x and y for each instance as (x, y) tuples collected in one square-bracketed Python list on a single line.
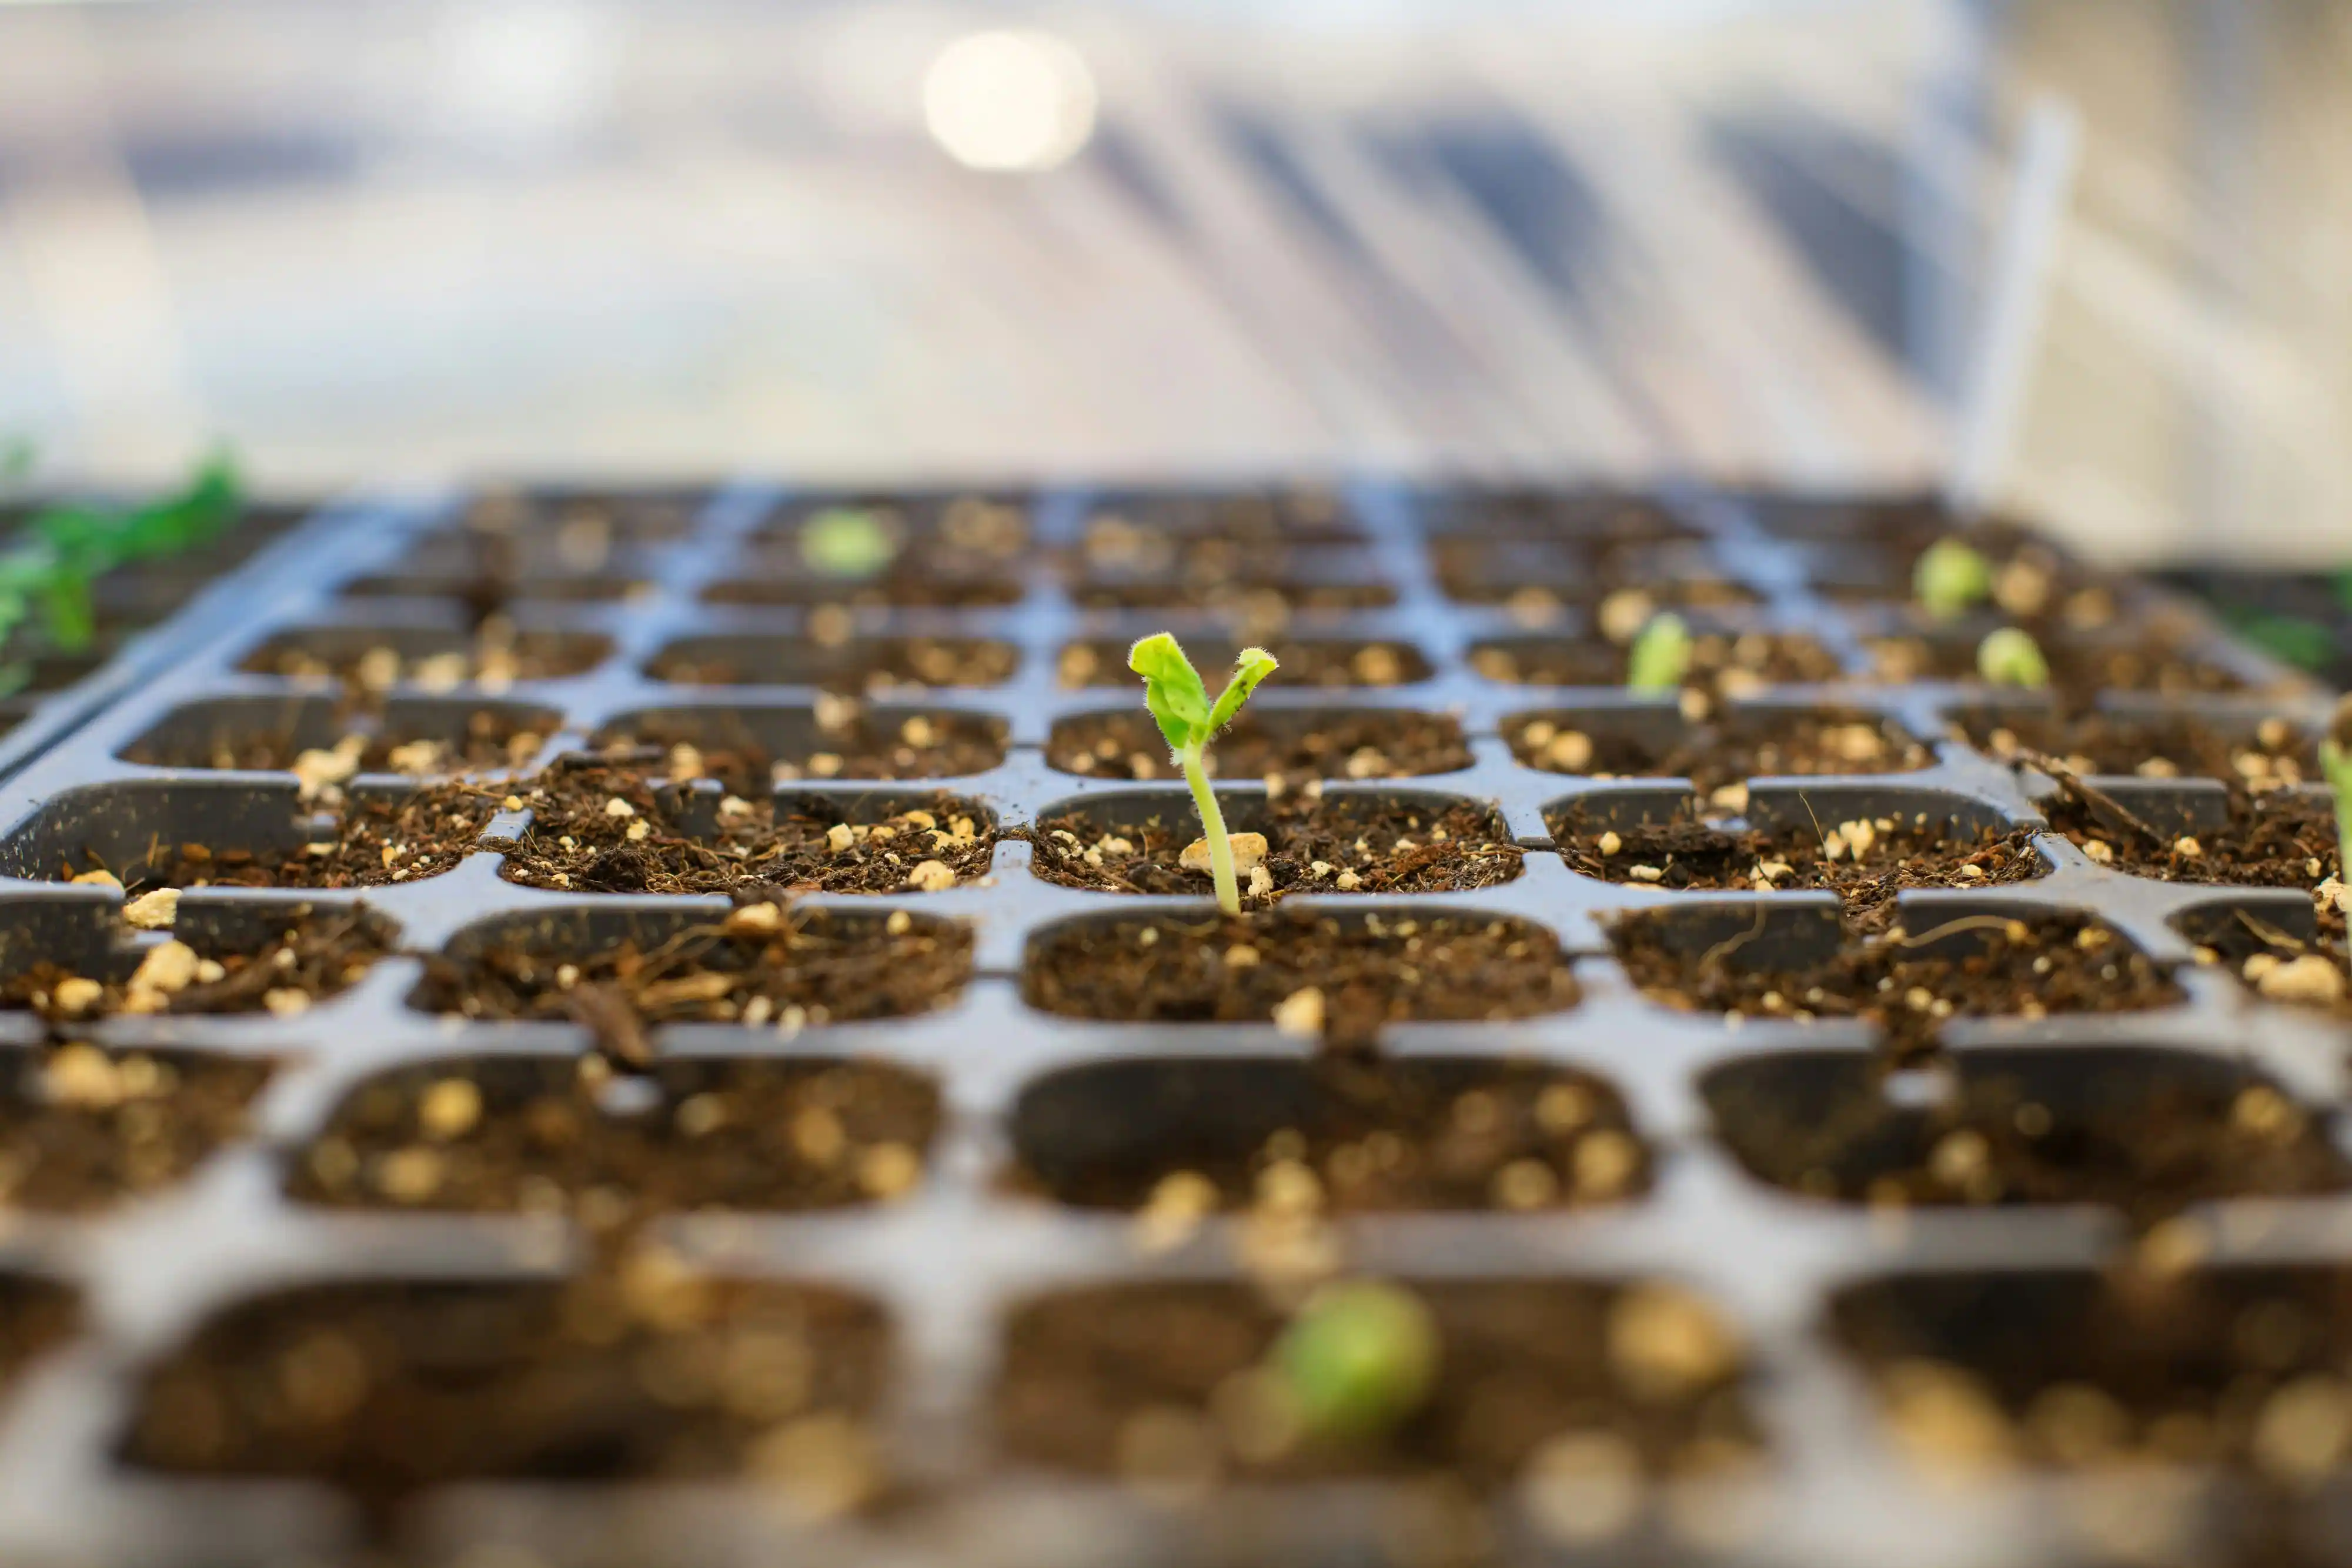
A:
[(1748, 240)]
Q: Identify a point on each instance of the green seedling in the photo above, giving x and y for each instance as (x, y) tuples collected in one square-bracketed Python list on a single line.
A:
[(1660, 656), (1950, 577), (2010, 657), (1358, 1360), (1173, 692), (848, 541), (2336, 762)]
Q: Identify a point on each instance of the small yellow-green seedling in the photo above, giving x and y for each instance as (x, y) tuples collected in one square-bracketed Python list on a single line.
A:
[(1173, 692), (848, 541), (1660, 656), (2336, 761), (1950, 577), (2010, 657), (1358, 1360)]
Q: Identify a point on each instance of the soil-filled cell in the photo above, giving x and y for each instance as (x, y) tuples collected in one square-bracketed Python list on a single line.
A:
[(1298, 744), (2263, 754), (1143, 842), (546, 1134), (875, 665), (748, 748), (1722, 662), (281, 959), (1745, 743), (83, 1128), (1645, 1375), (385, 1387), (368, 660), (1451, 1132), (324, 744)]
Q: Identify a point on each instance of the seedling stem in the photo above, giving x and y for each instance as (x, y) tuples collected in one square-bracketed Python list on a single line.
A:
[(1180, 703)]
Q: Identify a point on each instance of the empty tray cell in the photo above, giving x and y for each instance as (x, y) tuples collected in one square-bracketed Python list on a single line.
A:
[(69, 963), (842, 528), (1142, 840), (2276, 943), (2073, 1368), (506, 565), (2260, 754), (874, 576), (384, 1387), (876, 665), (1261, 586), (589, 518), (2138, 1128), (1864, 844), (197, 834), (82, 1129), (2178, 834), (1749, 959), (749, 747), (373, 659), (324, 743), (1327, 662), (2080, 667), (1633, 1376), (609, 829), (1537, 512), (1128, 523), (1742, 744), (560, 1133), (1722, 662), (1340, 976), (1296, 744), (1451, 1132), (485, 595), (616, 971), (1535, 577)]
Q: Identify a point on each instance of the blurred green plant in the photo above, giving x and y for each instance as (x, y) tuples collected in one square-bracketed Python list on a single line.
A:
[(1173, 692), (848, 541), (1951, 575), (47, 569), (1660, 656), (2010, 657), (1359, 1358)]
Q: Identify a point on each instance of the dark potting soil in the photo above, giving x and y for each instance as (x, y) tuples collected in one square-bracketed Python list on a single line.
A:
[(1726, 663), (494, 658), (849, 741), (908, 585), (1362, 971), (363, 843), (492, 740), (82, 1128), (599, 828), (1176, 1138), (2079, 672), (759, 965), (1094, 1378), (2285, 839), (2144, 1131), (1866, 863), (556, 1134), (1336, 843), (1253, 597), (2269, 755), (1712, 756), (386, 1387), (1327, 662), (316, 954), (868, 664), (1390, 744), (2011, 968)]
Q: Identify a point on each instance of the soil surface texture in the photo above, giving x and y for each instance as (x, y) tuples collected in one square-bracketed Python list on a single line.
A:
[(494, 659), (83, 1128), (364, 843), (2270, 755), (561, 1134), (1315, 974), (2011, 967), (491, 741), (2279, 840), (1714, 756), (875, 664), (1336, 843), (1386, 744), (316, 954), (1725, 664), (849, 741), (599, 827)]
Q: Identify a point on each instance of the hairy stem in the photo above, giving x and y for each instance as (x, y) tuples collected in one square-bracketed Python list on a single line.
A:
[(1212, 828)]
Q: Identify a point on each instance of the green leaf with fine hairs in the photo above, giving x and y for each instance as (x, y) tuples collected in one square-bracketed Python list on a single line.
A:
[(1252, 666), (1660, 656), (2011, 657), (1172, 690)]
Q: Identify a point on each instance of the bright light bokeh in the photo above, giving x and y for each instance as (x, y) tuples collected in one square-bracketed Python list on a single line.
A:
[(1009, 101)]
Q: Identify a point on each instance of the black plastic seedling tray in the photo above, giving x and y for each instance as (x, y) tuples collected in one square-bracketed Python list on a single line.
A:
[(916, 1307)]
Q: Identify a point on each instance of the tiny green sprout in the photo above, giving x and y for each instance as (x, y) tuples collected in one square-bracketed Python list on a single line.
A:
[(848, 541), (2010, 657), (1950, 577), (1358, 1359), (1173, 692), (2336, 762), (1660, 657)]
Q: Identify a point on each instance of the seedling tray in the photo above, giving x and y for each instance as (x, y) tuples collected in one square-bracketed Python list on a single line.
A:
[(964, 1302)]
